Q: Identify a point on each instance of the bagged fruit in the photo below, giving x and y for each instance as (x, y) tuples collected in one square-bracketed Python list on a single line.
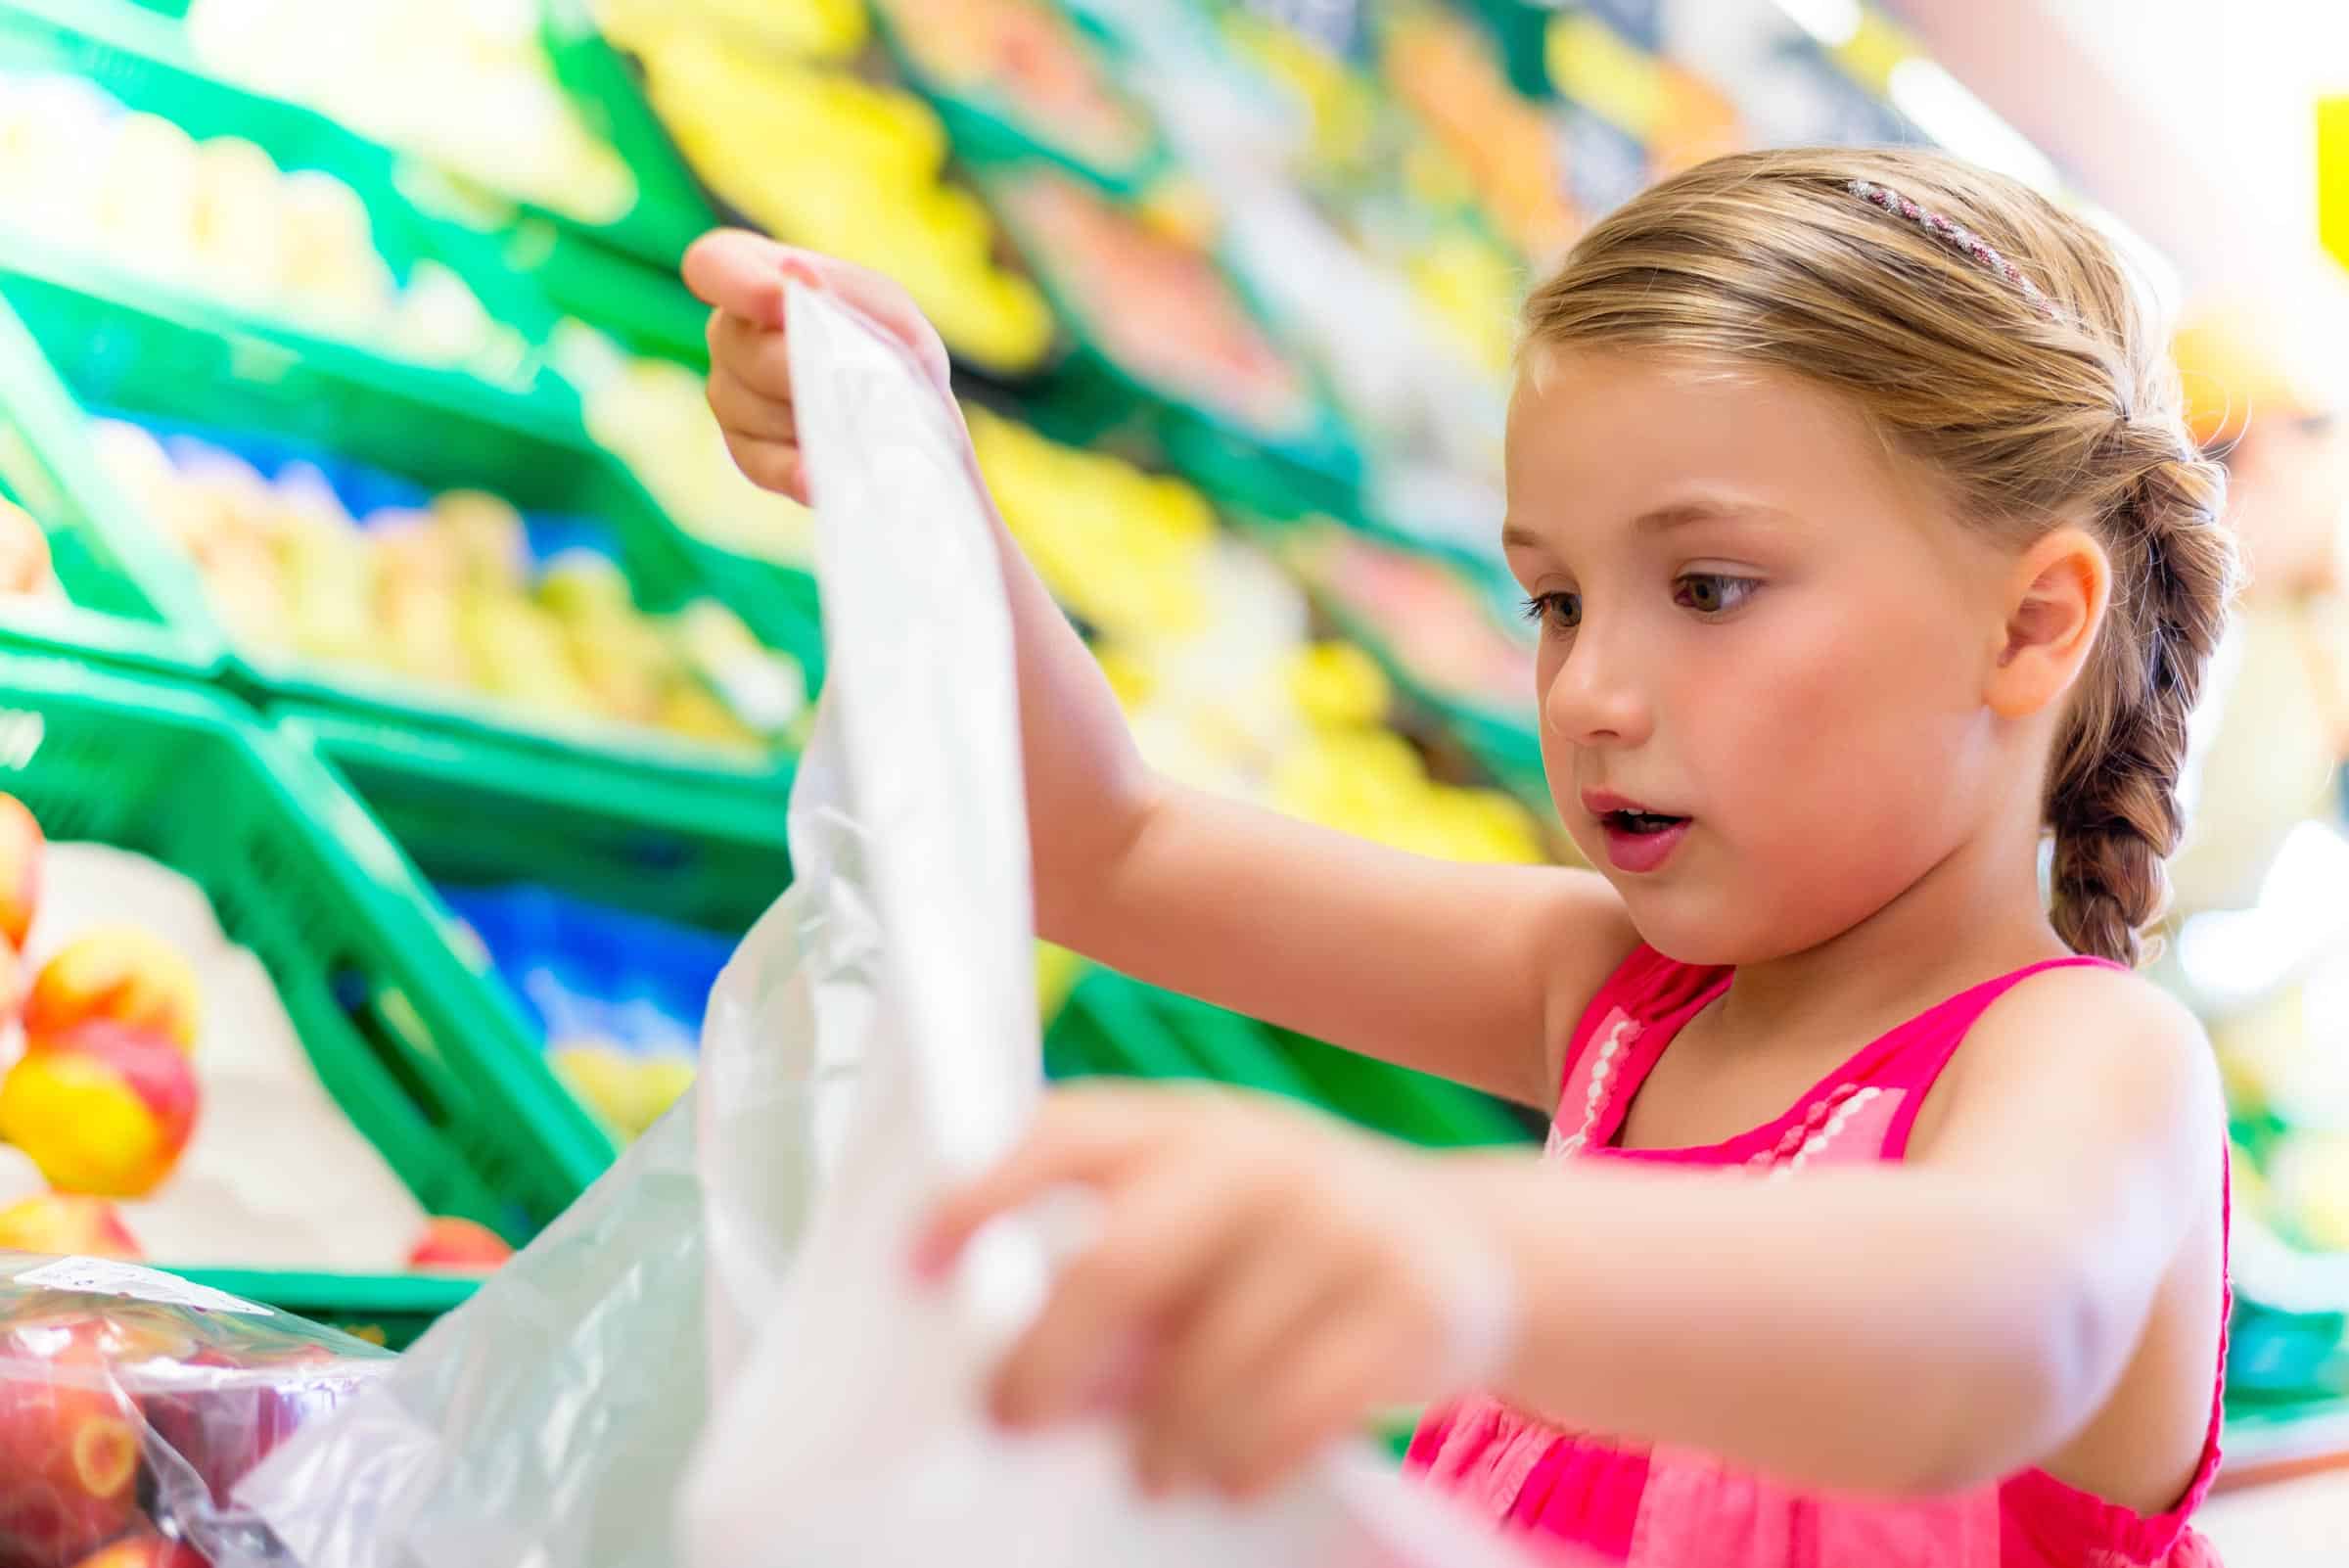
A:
[(133, 1403), (718, 1356)]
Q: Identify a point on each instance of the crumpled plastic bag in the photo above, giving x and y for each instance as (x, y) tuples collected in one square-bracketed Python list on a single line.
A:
[(719, 1355)]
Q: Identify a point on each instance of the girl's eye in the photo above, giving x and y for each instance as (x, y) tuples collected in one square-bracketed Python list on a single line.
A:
[(1713, 593), (1562, 611)]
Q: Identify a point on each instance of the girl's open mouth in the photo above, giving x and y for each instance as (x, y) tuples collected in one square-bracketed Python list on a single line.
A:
[(1641, 841)]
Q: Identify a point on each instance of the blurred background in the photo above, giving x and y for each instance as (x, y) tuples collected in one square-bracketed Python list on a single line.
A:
[(386, 631)]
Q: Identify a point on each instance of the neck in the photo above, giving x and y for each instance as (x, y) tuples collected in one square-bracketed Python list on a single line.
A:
[(1903, 957)]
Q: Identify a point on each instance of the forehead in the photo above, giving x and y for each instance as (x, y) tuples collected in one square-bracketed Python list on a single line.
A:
[(1609, 434)]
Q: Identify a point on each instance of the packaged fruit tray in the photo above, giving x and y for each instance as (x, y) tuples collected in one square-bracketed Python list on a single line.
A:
[(1111, 1025), (461, 1109), (531, 869), (261, 160), (1017, 78), (560, 645)]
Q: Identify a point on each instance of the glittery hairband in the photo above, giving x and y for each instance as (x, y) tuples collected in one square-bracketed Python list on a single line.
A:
[(1955, 235)]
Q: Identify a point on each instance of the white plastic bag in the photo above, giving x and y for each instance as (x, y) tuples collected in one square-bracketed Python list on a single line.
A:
[(741, 1281)]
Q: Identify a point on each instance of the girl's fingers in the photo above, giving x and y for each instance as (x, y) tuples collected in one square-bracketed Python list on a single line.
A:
[(1219, 1363), (770, 465), (1081, 1138), (1321, 1393), (760, 357), (1160, 1239), (744, 410)]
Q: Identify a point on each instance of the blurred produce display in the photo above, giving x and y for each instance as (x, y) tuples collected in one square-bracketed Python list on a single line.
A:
[(1159, 308), (158, 1099), (219, 216), (450, 590), (466, 83), (822, 156), (618, 996), (1026, 69), (1230, 288), (653, 415)]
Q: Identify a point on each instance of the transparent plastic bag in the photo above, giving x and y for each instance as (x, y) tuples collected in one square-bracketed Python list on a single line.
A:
[(723, 1337), (131, 1404)]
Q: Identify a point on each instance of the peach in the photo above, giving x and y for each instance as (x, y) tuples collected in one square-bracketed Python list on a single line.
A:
[(67, 1222), (119, 973), (12, 981), (145, 1549), (25, 567), (102, 1108), (69, 1463), (459, 1245), (22, 844)]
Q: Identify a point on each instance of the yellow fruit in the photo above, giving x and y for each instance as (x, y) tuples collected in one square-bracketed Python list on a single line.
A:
[(1336, 683), (487, 533), (602, 1075), (659, 1081)]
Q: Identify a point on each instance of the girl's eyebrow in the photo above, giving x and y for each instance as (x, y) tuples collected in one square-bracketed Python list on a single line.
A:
[(1662, 519)]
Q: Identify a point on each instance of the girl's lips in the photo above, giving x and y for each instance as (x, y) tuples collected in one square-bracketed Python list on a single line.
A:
[(1641, 853)]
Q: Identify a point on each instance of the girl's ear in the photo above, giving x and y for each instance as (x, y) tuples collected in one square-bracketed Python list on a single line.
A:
[(2055, 604)]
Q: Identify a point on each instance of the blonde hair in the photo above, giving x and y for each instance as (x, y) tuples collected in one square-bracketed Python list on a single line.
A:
[(2001, 341)]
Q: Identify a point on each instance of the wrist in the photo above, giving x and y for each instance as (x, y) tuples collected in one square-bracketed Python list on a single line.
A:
[(1485, 1275)]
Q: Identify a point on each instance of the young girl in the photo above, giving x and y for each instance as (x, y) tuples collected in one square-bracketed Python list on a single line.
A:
[(1882, 1217)]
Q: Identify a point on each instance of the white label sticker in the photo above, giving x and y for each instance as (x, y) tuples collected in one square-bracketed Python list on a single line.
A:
[(104, 1278)]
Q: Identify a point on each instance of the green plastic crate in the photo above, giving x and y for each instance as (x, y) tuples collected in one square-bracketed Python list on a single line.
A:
[(391, 1310), (466, 1114), (468, 814), (124, 606), (671, 207), (642, 306), (1118, 1027), (121, 348)]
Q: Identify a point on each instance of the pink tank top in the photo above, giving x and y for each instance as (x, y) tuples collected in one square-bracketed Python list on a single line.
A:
[(1666, 1507)]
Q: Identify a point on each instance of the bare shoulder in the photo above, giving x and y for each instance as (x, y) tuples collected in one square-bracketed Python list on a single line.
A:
[(1585, 932), (2096, 1050)]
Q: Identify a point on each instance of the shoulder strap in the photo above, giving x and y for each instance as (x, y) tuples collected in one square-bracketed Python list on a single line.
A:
[(1622, 1030), (1916, 1055)]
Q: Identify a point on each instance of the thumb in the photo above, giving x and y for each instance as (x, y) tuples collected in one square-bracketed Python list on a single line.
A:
[(743, 274)]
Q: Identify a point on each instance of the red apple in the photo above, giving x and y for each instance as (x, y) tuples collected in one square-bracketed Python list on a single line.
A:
[(459, 1245)]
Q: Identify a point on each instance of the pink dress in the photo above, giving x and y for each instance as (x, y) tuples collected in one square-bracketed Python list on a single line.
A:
[(1666, 1507)]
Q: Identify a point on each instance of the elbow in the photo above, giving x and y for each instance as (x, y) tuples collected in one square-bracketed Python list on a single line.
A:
[(1079, 855), (2044, 1360)]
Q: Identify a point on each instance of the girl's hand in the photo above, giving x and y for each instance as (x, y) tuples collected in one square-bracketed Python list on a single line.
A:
[(741, 276), (1263, 1280)]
